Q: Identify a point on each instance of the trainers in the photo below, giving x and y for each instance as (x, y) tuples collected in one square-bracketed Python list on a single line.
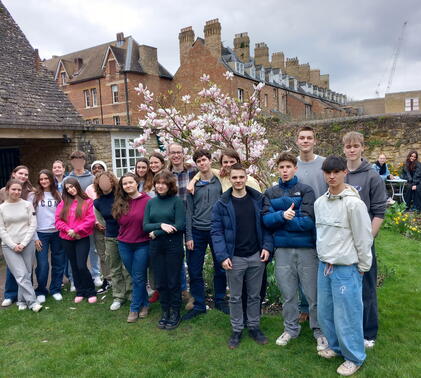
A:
[(192, 314), (7, 302), (223, 307), (72, 287), (105, 287), (115, 306), (144, 312), (347, 368), (234, 340), (36, 307), (322, 343), (133, 316), (327, 353), (303, 317), (78, 299), (283, 339), (57, 297), (97, 281), (92, 299), (154, 297), (41, 299), (174, 320), (368, 344), (22, 306), (258, 336), (164, 319), (186, 296)]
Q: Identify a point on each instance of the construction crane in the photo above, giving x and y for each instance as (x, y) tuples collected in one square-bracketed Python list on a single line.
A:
[(395, 57)]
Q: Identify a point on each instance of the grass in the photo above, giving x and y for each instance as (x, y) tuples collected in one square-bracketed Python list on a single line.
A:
[(89, 340)]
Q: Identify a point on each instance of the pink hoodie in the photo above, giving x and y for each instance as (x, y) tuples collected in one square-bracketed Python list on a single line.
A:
[(83, 226)]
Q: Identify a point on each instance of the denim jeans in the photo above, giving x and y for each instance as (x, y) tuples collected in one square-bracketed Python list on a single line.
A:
[(340, 310), (50, 240), (10, 287), (195, 261), (135, 258)]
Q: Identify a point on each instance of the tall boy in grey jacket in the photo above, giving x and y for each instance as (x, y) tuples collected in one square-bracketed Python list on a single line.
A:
[(207, 192)]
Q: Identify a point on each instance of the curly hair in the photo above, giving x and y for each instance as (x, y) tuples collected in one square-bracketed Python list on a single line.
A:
[(113, 180), (121, 202)]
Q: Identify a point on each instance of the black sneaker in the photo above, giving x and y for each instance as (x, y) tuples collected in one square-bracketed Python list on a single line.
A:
[(223, 307), (257, 335), (192, 314), (234, 340), (105, 287), (174, 320), (164, 319)]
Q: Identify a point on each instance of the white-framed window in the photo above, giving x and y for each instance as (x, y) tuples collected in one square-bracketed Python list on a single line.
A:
[(253, 72), (63, 78), (117, 120), (239, 67), (87, 96), (124, 156), (240, 94), (114, 93), (95, 121), (412, 104), (94, 97)]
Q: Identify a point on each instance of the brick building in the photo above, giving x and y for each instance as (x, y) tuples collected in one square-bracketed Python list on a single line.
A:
[(100, 80), (291, 89)]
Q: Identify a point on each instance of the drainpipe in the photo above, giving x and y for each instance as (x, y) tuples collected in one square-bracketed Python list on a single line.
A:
[(100, 102), (127, 98)]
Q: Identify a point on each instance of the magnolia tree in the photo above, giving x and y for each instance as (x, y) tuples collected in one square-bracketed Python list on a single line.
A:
[(217, 122)]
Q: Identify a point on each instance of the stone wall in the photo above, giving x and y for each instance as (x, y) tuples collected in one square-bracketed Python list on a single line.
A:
[(394, 135)]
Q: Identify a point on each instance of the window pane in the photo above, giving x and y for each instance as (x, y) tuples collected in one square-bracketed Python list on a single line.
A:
[(123, 142), (116, 143)]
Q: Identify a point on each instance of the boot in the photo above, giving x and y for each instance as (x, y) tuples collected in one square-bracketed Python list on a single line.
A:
[(174, 319), (164, 319)]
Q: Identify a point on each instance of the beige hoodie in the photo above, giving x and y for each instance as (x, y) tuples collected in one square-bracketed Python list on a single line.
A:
[(343, 229)]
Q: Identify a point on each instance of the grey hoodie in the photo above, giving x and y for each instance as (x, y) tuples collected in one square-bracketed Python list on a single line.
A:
[(370, 187), (85, 179), (343, 229), (199, 206)]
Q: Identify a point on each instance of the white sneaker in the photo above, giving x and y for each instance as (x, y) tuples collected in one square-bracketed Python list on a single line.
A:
[(7, 302), (58, 297), (22, 306), (283, 339), (347, 368), (327, 353), (97, 281), (115, 306), (368, 344), (72, 288), (41, 298), (322, 343), (36, 307)]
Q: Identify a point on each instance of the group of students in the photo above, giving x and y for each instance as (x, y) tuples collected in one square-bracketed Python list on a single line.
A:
[(144, 219)]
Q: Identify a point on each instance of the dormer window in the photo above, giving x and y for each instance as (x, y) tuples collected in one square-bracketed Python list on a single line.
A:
[(253, 72), (239, 67), (262, 75), (271, 76)]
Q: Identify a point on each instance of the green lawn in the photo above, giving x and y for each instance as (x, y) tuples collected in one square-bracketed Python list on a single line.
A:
[(89, 340)]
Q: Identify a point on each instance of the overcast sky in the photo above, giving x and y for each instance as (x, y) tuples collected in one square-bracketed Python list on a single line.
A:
[(352, 40)]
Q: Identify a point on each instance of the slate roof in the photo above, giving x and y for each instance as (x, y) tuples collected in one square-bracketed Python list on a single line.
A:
[(27, 94), (127, 56)]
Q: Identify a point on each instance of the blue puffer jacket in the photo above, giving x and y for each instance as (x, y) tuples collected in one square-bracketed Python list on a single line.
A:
[(299, 232), (224, 227)]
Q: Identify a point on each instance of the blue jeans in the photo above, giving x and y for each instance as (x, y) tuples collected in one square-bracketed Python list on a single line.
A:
[(340, 310), (135, 258), (10, 287), (195, 261), (50, 240)]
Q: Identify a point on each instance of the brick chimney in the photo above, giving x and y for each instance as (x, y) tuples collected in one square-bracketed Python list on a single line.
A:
[(186, 39), (261, 54), (149, 59), (242, 47), (212, 31), (120, 39), (278, 60)]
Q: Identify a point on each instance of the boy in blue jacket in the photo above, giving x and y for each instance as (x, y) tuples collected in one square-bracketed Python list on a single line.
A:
[(290, 216), (242, 245)]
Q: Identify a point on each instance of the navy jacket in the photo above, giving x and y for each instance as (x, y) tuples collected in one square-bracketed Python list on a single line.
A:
[(224, 227), (299, 232)]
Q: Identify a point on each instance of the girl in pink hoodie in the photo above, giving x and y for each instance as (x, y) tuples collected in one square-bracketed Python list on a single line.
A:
[(75, 221)]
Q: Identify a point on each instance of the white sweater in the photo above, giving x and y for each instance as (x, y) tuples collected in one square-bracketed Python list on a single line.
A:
[(46, 212), (17, 223)]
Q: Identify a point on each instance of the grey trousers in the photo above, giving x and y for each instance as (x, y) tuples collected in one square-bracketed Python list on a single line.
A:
[(294, 266), (20, 265), (252, 269)]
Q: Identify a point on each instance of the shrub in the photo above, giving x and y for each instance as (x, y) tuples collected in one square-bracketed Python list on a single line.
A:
[(396, 219)]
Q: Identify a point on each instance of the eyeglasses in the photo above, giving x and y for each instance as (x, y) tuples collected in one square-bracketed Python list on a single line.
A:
[(176, 153)]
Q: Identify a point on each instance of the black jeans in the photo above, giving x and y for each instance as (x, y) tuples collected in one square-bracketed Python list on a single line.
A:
[(77, 252), (370, 315), (167, 256)]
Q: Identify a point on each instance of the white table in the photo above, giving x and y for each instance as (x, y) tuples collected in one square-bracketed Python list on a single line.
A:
[(397, 186)]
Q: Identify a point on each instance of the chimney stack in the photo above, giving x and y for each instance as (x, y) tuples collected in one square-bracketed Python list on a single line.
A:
[(212, 31), (149, 59), (278, 61), (242, 47), (120, 39), (186, 40), (261, 54)]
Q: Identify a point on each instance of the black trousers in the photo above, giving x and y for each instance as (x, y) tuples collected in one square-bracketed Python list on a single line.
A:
[(167, 257), (370, 315), (77, 252)]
